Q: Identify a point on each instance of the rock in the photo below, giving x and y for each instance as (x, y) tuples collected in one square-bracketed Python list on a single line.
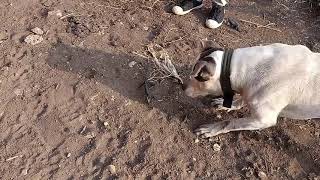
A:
[(216, 147), (249, 172), (112, 169), (262, 175), (196, 140), (3, 36), (33, 39), (37, 30), (106, 124), (132, 63), (18, 92), (68, 155), (57, 13), (24, 172)]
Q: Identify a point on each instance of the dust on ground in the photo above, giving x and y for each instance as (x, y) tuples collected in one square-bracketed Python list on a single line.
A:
[(72, 107)]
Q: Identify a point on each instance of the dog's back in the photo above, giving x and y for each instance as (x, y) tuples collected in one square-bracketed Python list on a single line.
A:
[(293, 71)]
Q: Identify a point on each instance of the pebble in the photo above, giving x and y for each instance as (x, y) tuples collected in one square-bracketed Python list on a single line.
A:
[(106, 124), (68, 155), (37, 30), (112, 169), (196, 140), (33, 39), (90, 136), (216, 147), (262, 175), (57, 13), (3, 36), (132, 63), (24, 171), (18, 92)]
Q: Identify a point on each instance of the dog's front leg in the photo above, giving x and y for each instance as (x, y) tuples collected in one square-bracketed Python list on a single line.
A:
[(236, 104), (210, 130)]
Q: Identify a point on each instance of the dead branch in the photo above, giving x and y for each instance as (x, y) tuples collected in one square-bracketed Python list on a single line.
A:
[(262, 26)]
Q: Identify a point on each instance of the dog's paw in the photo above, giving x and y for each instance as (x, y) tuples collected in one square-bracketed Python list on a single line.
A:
[(222, 108), (210, 130), (217, 102)]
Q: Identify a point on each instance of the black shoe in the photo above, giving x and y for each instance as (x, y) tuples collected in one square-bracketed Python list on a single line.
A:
[(216, 16), (186, 6)]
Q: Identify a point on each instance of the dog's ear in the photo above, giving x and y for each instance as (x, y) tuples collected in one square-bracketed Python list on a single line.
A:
[(203, 70), (207, 51)]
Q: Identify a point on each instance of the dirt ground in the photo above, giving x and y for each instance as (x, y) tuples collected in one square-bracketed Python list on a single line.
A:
[(71, 106)]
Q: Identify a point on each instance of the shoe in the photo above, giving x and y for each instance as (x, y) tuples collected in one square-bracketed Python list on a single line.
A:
[(216, 16), (186, 6)]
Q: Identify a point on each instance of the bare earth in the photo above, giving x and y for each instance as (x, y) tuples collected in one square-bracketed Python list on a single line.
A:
[(71, 106)]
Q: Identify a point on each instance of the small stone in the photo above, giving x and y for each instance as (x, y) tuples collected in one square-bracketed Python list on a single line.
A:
[(145, 28), (262, 175), (106, 124), (57, 13), (33, 39), (132, 63), (90, 136), (24, 172), (194, 159), (219, 116), (112, 169), (3, 36), (216, 147), (18, 92), (37, 30), (196, 140), (249, 173), (68, 155)]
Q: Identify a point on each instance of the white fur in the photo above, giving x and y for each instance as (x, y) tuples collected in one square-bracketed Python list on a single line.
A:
[(273, 80), (212, 24)]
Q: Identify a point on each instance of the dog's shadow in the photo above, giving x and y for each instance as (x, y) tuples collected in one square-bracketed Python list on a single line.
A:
[(125, 74)]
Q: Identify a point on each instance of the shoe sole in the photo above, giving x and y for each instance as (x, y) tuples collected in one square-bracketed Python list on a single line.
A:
[(186, 12)]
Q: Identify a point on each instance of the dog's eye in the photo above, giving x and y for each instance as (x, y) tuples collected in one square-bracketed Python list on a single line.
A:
[(201, 79)]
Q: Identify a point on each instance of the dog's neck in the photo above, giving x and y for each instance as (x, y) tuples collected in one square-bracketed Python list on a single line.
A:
[(237, 73)]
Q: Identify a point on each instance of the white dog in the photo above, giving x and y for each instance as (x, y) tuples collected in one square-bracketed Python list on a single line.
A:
[(273, 80)]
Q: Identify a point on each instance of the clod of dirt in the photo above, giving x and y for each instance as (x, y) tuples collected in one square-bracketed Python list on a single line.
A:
[(249, 172), (3, 36), (262, 175), (132, 63), (19, 37), (232, 23), (24, 172), (18, 92), (57, 13), (37, 30), (294, 169), (114, 40), (33, 39), (112, 169), (216, 147)]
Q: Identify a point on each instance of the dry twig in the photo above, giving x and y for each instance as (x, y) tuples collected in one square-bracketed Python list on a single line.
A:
[(262, 26), (163, 62)]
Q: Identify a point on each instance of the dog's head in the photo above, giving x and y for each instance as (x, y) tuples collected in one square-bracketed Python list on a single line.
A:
[(204, 79)]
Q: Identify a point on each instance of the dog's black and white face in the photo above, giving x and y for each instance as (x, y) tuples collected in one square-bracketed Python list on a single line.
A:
[(204, 79)]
